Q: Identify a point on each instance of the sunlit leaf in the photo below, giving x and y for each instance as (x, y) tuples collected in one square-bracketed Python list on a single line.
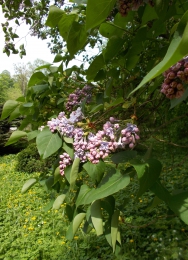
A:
[(75, 225), (36, 78), (74, 171), (8, 108), (33, 134), (48, 142), (65, 25), (54, 16), (15, 136), (112, 183), (95, 171), (58, 201), (97, 11), (114, 228), (28, 184), (96, 216)]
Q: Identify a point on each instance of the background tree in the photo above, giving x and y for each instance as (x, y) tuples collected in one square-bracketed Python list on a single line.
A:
[(22, 73), (6, 84)]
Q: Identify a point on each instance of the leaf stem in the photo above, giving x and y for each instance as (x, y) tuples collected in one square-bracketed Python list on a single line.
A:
[(120, 28)]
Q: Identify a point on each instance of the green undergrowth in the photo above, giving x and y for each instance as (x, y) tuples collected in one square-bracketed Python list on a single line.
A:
[(30, 229)]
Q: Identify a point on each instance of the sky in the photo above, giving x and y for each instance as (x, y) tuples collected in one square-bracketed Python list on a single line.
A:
[(35, 49)]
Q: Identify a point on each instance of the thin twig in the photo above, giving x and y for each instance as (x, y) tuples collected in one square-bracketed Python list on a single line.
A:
[(170, 143)]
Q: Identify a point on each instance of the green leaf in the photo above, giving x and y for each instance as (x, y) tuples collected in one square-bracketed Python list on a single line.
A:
[(68, 140), (176, 51), (46, 66), (48, 142), (28, 184), (57, 175), (108, 30), (95, 66), (49, 183), (49, 205), (112, 183), (161, 192), (133, 55), (58, 58), (70, 212), (15, 136), (97, 11), (115, 102), (176, 101), (79, 2), (108, 204), (40, 88), (65, 25), (8, 108), (74, 171), (97, 108), (108, 232), (54, 16), (67, 172), (75, 225), (155, 202), (127, 104), (123, 157), (179, 204), (68, 149), (95, 171), (31, 135), (15, 114), (113, 47), (149, 14), (20, 99), (96, 216), (114, 228), (59, 200), (36, 78), (118, 28), (108, 88), (101, 74), (77, 38), (148, 173), (29, 104)]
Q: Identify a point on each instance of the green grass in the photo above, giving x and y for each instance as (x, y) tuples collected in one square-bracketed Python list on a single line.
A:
[(30, 230)]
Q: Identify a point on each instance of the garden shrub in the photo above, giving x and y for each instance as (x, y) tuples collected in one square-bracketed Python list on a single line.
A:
[(28, 160)]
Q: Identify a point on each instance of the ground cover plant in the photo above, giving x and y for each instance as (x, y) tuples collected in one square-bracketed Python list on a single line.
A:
[(31, 230), (103, 122)]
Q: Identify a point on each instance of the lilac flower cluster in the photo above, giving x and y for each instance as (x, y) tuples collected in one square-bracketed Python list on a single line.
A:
[(65, 161), (65, 125), (92, 146), (175, 77), (125, 6), (78, 96)]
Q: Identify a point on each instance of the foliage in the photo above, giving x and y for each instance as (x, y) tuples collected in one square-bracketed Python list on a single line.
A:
[(33, 13), (94, 138), (6, 83), (28, 160), (22, 73), (29, 229)]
